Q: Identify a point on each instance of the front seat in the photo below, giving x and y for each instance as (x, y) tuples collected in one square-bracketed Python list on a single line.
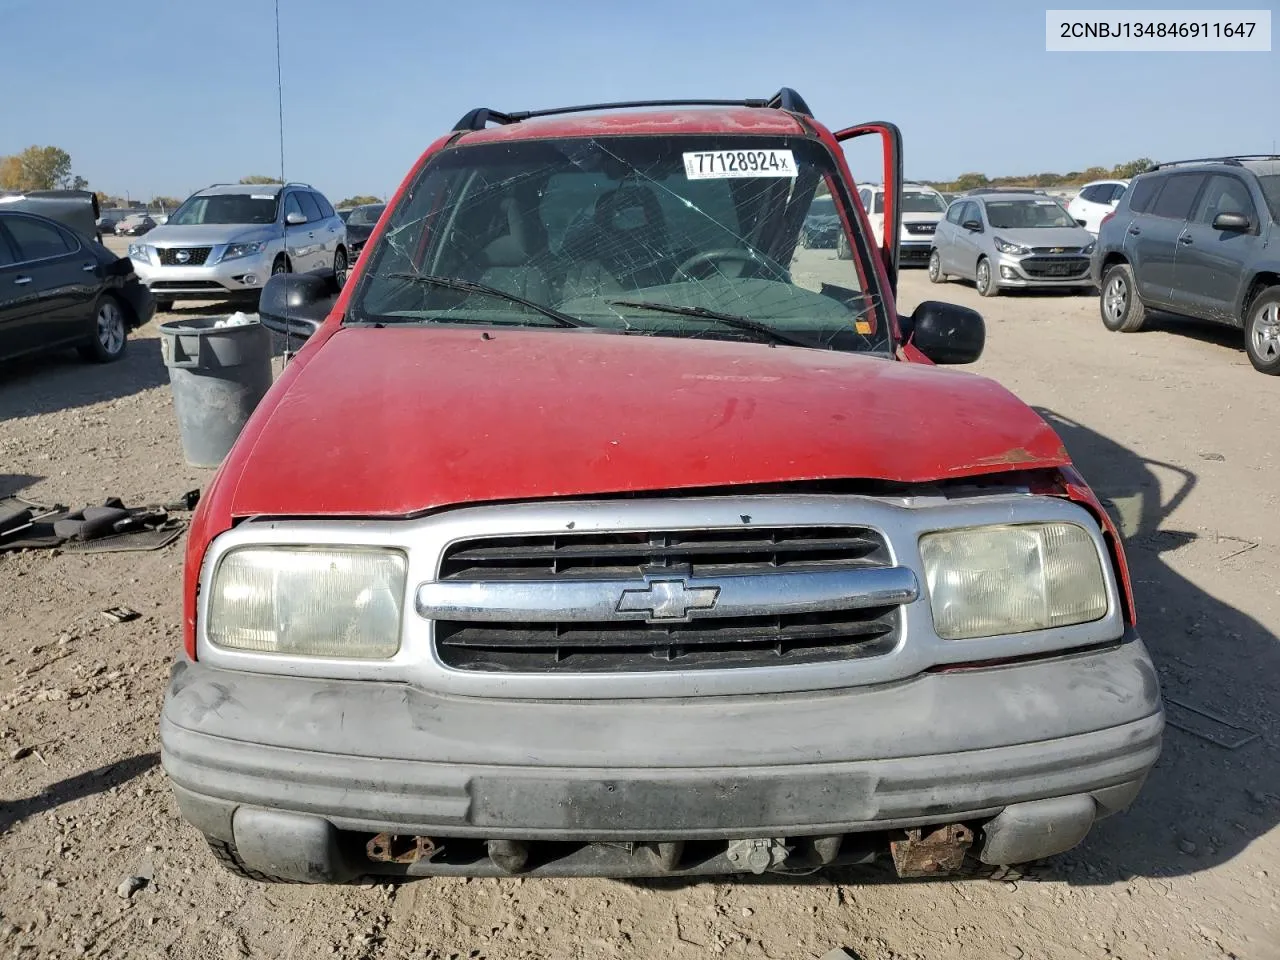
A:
[(509, 261), (633, 245)]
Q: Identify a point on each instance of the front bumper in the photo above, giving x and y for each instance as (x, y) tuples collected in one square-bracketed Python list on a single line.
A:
[(300, 774), (822, 237), (914, 251), (141, 303), (1028, 271), (218, 281)]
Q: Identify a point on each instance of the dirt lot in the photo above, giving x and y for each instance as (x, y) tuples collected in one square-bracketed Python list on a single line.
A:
[(1171, 425)]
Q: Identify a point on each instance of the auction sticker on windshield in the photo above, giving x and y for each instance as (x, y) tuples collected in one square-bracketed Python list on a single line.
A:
[(721, 164)]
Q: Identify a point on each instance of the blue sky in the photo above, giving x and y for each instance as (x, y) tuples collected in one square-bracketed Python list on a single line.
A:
[(164, 97)]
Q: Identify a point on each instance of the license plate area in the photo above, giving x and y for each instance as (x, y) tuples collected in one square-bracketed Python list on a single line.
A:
[(664, 806)]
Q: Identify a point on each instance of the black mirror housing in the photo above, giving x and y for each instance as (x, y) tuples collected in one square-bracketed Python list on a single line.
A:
[(1236, 222), (946, 332), (973, 226), (294, 304)]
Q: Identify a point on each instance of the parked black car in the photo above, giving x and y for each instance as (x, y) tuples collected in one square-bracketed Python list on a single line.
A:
[(360, 223), (1199, 238), (135, 225), (59, 289), (821, 224)]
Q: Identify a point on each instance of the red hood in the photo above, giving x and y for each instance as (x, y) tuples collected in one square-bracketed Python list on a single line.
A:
[(395, 421)]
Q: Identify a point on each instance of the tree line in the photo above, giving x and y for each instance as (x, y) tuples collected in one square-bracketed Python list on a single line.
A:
[(39, 168), (1121, 171)]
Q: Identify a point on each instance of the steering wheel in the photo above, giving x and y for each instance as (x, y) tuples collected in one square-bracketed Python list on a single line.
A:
[(700, 264)]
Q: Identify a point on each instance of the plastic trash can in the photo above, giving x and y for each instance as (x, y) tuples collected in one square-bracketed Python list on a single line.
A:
[(218, 375)]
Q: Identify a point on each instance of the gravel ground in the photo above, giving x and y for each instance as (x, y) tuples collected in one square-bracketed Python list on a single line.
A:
[(1172, 426)]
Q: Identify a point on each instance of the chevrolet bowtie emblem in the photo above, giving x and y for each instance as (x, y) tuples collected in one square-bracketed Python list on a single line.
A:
[(667, 600)]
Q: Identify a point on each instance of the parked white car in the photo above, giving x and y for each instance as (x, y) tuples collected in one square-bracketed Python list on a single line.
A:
[(922, 208), (1094, 201)]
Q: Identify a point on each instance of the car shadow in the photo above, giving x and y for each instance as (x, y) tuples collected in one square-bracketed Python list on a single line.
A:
[(1204, 802), (1084, 290), (12, 484), (62, 381), (1206, 331), (208, 308), (82, 785)]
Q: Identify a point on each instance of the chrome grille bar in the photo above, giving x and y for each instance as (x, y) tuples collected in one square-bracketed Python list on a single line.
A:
[(667, 599)]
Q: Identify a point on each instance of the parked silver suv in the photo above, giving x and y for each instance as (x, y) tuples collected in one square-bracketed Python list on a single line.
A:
[(226, 240)]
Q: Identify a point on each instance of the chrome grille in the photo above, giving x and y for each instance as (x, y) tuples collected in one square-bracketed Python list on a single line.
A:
[(566, 603), (194, 256), (925, 227), (1050, 267), (709, 552)]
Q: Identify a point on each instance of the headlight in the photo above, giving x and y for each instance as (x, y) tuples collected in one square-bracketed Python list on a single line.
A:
[(989, 581), (1004, 246), (237, 250), (1090, 246), (138, 251), (340, 602)]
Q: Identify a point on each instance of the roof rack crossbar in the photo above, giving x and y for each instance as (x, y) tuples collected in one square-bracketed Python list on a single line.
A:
[(479, 118), (291, 183), (1231, 160)]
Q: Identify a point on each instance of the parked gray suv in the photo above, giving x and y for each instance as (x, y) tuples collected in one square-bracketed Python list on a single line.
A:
[(1199, 238), (225, 241)]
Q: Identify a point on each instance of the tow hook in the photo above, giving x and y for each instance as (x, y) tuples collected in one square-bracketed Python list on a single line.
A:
[(931, 854), (757, 855), (391, 848)]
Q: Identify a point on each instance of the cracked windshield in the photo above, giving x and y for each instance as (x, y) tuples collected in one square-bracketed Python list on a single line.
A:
[(711, 237)]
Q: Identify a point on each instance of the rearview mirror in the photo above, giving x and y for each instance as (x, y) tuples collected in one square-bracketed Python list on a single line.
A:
[(946, 332), (295, 219), (1236, 222), (294, 304), (973, 226)]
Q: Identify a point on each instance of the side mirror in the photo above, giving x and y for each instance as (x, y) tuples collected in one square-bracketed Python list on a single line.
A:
[(295, 219), (294, 304), (1235, 222), (973, 226), (946, 332)]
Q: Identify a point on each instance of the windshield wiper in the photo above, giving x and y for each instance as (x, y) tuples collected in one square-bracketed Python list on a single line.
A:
[(728, 319), (471, 286)]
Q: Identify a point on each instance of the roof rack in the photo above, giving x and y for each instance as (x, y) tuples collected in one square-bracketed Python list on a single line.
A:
[(479, 118), (976, 191), (273, 183), (1231, 161)]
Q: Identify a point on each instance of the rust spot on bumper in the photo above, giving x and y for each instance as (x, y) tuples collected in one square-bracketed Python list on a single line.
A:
[(932, 854)]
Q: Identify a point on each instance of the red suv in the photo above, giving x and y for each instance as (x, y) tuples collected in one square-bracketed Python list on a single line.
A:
[(600, 528)]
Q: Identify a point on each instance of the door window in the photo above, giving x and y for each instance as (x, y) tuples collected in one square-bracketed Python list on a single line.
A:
[(6, 255), (1092, 194), (953, 212), (1178, 195), (326, 210), (291, 205), (1224, 194), (970, 213), (1144, 191), (309, 207), (36, 239)]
